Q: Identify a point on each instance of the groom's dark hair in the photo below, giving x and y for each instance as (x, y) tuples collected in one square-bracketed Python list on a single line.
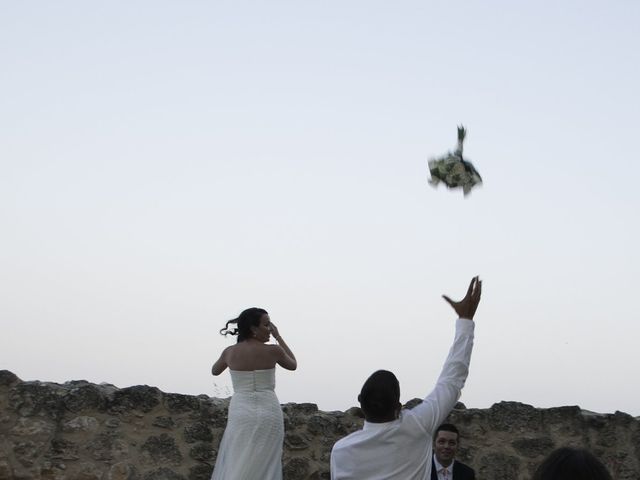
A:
[(380, 397), (447, 427)]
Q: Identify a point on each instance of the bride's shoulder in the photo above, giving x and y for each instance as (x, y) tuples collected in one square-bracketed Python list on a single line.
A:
[(273, 349)]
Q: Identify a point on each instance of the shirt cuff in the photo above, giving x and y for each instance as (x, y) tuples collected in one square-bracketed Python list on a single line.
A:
[(465, 325)]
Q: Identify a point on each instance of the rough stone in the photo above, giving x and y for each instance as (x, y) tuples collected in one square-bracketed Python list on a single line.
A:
[(498, 466), (32, 427), (112, 423), (296, 442), (6, 471), (197, 432), (8, 379), (533, 447), (121, 471), (52, 471), (200, 472), (162, 449), (108, 447), (299, 408), (79, 430), (296, 468), (163, 422), (177, 403), (215, 412), (163, 474), (81, 424), (203, 452), (35, 398), (321, 425), (141, 397), (514, 417), (355, 412), (63, 450), (85, 398), (27, 452), (569, 419), (88, 471)]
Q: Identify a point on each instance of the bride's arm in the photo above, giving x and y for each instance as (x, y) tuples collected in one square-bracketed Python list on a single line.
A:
[(221, 364), (285, 357)]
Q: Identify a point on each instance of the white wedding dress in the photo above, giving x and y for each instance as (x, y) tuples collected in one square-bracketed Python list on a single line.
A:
[(251, 447)]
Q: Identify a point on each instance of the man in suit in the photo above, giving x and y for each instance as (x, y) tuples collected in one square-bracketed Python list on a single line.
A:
[(444, 466), (396, 444)]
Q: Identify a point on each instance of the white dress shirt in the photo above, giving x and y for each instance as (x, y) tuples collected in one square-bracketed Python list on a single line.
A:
[(439, 468), (402, 449)]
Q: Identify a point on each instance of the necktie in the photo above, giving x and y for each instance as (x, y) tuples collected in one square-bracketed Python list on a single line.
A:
[(445, 473)]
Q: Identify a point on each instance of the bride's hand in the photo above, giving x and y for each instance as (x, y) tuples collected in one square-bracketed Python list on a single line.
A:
[(274, 331)]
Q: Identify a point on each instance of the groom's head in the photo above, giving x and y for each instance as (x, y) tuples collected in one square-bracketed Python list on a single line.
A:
[(380, 397)]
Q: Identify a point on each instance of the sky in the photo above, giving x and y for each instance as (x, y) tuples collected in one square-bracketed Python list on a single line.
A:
[(165, 165)]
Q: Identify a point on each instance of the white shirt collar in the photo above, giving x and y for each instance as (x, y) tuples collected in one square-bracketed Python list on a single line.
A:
[(439, 467), (378, 426)]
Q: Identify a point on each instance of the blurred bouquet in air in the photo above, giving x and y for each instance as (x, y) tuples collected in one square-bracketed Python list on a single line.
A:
[(453, 170)]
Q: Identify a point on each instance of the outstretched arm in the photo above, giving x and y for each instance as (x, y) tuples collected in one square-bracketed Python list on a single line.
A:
[(437, 405), (285, 357)]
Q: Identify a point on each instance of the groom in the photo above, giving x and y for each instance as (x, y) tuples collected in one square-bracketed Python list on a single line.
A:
[(395, 444)]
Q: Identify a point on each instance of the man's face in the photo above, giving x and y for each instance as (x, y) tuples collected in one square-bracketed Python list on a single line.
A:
[(445, 446)]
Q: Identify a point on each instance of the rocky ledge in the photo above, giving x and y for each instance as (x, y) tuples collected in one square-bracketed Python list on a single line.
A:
[(79, 430)]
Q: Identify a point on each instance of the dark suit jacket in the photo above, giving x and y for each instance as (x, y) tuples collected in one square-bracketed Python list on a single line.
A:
[(460, 471)]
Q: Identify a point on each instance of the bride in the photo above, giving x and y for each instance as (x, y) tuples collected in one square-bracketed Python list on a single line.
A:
[(251, 446)]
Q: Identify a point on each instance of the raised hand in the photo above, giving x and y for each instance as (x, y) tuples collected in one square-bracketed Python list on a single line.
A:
[(274, 330), (466, 308)]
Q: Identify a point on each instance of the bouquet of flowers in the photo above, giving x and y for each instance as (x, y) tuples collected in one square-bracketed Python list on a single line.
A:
[(453, 170)]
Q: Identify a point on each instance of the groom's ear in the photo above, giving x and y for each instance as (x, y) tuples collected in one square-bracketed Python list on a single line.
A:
[(359, 398)]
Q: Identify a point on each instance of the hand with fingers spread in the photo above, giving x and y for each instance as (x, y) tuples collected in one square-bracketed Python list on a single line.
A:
[(466, 308)]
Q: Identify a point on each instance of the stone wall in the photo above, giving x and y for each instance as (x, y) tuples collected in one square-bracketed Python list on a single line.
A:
[(84, 431)]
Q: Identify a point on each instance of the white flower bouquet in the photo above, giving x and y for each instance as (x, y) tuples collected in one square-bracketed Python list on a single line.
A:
[(453, 170)]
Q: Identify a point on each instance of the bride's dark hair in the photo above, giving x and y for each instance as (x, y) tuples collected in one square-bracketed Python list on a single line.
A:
[(247, 319)]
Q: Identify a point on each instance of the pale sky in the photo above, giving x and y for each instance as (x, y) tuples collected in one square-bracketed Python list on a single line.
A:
[(164, 165)]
